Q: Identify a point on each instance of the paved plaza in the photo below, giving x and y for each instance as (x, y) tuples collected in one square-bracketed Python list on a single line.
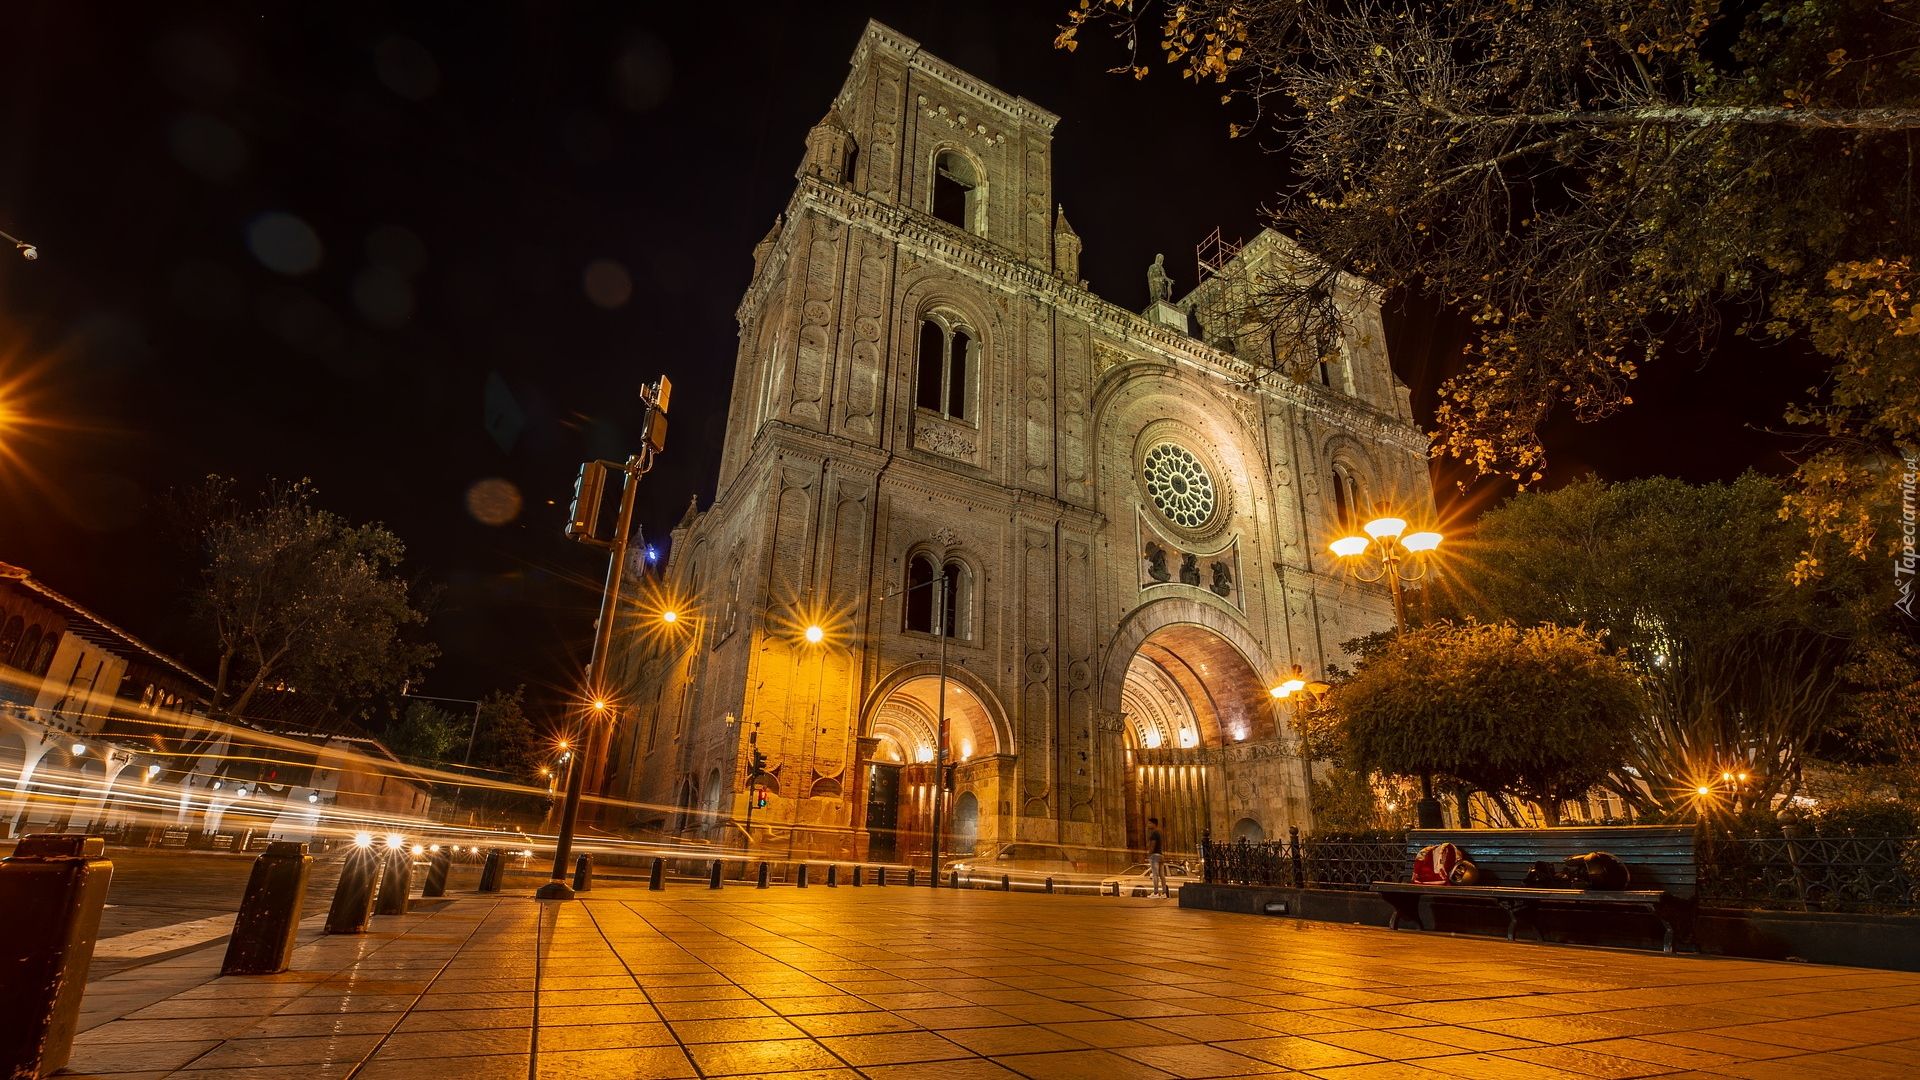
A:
[(893, 984)]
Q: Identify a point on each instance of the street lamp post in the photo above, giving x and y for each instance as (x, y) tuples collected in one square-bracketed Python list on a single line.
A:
[(1297, 683), (939, 585), (652, 440), (1389, 553)]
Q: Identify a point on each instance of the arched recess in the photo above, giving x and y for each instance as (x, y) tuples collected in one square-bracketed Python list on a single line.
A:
[(1150, 618), (973, 699)]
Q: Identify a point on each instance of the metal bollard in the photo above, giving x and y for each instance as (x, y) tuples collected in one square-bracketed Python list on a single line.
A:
[(713, 876), (800, 877), (856, 877), (953, 880), (656, 878), (269, 919), (912, 873), (353, 897), (396, 880), (764, 872), (879, 875), (583, 874), (53, 889), (833, 877), (438, 863), (492, 871), (1006, 883), (1049, 884)]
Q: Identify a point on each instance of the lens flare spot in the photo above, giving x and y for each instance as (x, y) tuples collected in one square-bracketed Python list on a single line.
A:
[(494, 501)]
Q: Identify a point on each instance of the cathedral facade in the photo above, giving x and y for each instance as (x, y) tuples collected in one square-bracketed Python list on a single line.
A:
[(954, 477)]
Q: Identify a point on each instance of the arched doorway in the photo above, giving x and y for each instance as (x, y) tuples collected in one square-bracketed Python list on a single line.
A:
[(966, 823), (1193, 709), (900, 781)]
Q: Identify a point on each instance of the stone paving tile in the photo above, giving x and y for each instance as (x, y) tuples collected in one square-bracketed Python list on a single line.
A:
[(1082, 1065), (1190, 1060), (917, 985)]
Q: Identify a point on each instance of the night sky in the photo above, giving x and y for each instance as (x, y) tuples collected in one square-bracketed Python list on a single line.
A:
[(402, 249)]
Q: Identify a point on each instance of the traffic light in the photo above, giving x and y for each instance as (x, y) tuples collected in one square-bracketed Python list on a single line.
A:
[(596, 499), (760, 798), (759, 763), (654, 427)]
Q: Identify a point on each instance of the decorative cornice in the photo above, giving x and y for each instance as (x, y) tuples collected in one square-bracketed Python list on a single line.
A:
[(910, 52)]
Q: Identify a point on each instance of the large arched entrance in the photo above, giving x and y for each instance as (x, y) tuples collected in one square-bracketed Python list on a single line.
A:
[(1200, 743), (1188, 697), (900, 782)]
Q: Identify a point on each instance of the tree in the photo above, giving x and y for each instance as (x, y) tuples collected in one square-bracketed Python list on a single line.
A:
[(1587, 181), (1544, 713), (508, 740), (426, 735), (1689, 582), (297, 597), (510, 750)]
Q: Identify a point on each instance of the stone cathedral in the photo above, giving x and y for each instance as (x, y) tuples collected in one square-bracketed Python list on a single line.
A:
[(940, 443)]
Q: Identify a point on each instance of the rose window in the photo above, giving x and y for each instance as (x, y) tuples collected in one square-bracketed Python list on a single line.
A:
[(1178, 485)]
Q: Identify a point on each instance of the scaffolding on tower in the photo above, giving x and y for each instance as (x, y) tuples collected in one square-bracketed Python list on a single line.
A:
[(1213, 254)]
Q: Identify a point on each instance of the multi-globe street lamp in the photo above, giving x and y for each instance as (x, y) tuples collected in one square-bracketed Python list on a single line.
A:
[(1384, 555), (1305, 692), (1389, 553)]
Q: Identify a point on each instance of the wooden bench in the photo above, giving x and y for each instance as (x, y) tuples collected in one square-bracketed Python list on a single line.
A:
[(1663, 873)]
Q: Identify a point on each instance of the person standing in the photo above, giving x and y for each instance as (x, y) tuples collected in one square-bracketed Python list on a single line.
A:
[(1156, 860)]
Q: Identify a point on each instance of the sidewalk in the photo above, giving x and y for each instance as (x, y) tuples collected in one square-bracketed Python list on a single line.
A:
[(891, 983)]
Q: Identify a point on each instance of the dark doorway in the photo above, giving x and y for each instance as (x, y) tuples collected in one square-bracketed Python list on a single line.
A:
[(883, 812)]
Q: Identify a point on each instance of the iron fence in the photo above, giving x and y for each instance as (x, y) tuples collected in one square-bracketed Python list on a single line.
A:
[(1330, 861), (1859, 874)]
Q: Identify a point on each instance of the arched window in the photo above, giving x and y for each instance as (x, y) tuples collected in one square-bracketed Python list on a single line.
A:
[(948, 358), (954, 622), (1348, 506), (920, 590), (957, 193), (29, 645), (44, 659), (925, 613), (10, 637)]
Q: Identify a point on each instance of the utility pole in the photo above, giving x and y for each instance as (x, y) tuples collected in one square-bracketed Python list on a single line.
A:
[(582, 525)]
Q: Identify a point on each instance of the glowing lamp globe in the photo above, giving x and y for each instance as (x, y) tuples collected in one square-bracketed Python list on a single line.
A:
[(363, 840), (395, 840), (1279, 691), (815, 634), (1294, 686), (1420, 541), (1385, 527), (1348, 546), (669, 616)]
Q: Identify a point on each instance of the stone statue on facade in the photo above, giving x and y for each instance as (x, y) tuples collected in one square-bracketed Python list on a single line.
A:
[(1159, 285)]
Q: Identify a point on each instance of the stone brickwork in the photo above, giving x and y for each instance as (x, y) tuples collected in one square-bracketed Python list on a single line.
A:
[(1131, 516)]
